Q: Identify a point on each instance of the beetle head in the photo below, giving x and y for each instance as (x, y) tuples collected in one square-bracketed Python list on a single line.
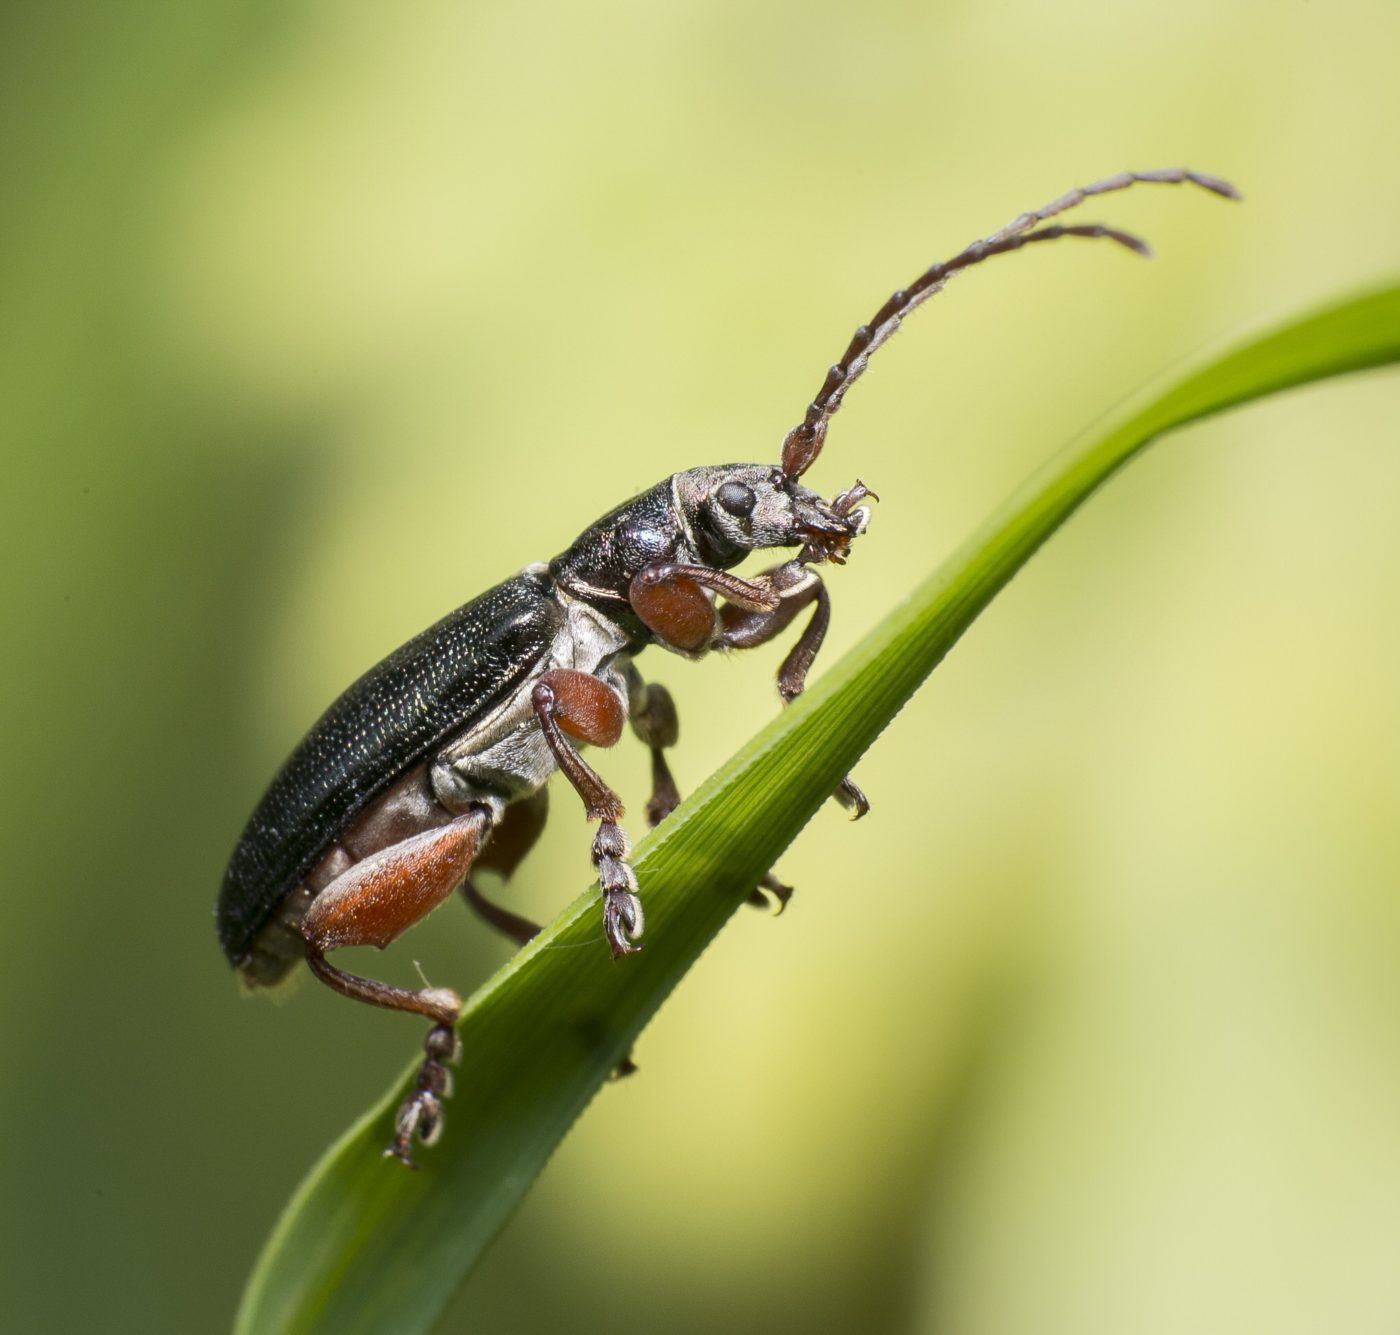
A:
[(739, 508)]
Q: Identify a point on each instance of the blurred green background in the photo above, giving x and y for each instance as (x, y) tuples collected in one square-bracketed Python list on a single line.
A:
[(319, 318)]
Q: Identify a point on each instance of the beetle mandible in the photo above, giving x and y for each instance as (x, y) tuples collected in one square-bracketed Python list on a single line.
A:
[(433, 763)]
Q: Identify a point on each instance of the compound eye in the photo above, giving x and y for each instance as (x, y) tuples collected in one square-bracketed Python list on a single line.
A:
[(736, 498)]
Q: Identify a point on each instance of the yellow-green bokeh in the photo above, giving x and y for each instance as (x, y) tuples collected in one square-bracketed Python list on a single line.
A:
[(315, 319)]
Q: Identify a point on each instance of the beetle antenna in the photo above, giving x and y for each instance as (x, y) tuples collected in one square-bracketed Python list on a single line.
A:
[(804, 442)]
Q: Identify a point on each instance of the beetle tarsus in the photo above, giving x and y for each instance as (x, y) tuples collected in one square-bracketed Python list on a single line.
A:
[(420, 1115), (623, 920)]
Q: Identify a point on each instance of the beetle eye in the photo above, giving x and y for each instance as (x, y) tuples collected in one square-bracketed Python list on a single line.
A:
[(736, 498)]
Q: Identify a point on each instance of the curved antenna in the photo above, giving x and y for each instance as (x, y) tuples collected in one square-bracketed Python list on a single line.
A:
[(804, 442)]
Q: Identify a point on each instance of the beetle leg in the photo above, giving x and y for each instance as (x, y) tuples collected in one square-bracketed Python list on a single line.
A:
[(371, 903), (653, 717), (672, 603), (513, 836), (580, 705), (519, 929), (780, 894), (654, 720), (797, 585)]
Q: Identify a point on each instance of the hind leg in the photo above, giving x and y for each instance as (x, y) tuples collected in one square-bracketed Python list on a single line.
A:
[(371, 903)]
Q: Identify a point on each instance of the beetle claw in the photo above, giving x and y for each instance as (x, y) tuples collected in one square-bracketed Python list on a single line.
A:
[(623, 920), (852, 798)]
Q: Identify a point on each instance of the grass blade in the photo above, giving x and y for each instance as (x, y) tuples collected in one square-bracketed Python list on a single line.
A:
[(366, 1247)]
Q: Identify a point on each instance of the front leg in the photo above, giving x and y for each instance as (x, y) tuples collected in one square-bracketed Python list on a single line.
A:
[(673, 603), (578, 704), (797, 586), (657, 725)]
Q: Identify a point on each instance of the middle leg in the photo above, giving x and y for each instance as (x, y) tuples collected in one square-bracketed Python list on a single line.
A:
[(569, 703)]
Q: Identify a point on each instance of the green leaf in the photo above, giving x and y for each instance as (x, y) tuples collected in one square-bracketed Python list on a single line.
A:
[(366, 1246)]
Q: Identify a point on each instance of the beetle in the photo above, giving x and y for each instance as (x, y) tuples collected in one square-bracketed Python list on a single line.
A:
[(433, 764)]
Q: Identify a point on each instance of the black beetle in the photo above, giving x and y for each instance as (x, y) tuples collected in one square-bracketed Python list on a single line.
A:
[(434, 762)]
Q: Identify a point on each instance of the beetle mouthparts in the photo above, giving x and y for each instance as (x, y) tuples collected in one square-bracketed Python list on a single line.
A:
[(829, 529)]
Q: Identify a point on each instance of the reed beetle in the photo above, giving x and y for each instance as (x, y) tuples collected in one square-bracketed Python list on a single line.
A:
[(434, 763)]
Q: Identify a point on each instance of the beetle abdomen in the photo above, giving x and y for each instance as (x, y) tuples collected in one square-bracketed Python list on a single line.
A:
[(390, 719)]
